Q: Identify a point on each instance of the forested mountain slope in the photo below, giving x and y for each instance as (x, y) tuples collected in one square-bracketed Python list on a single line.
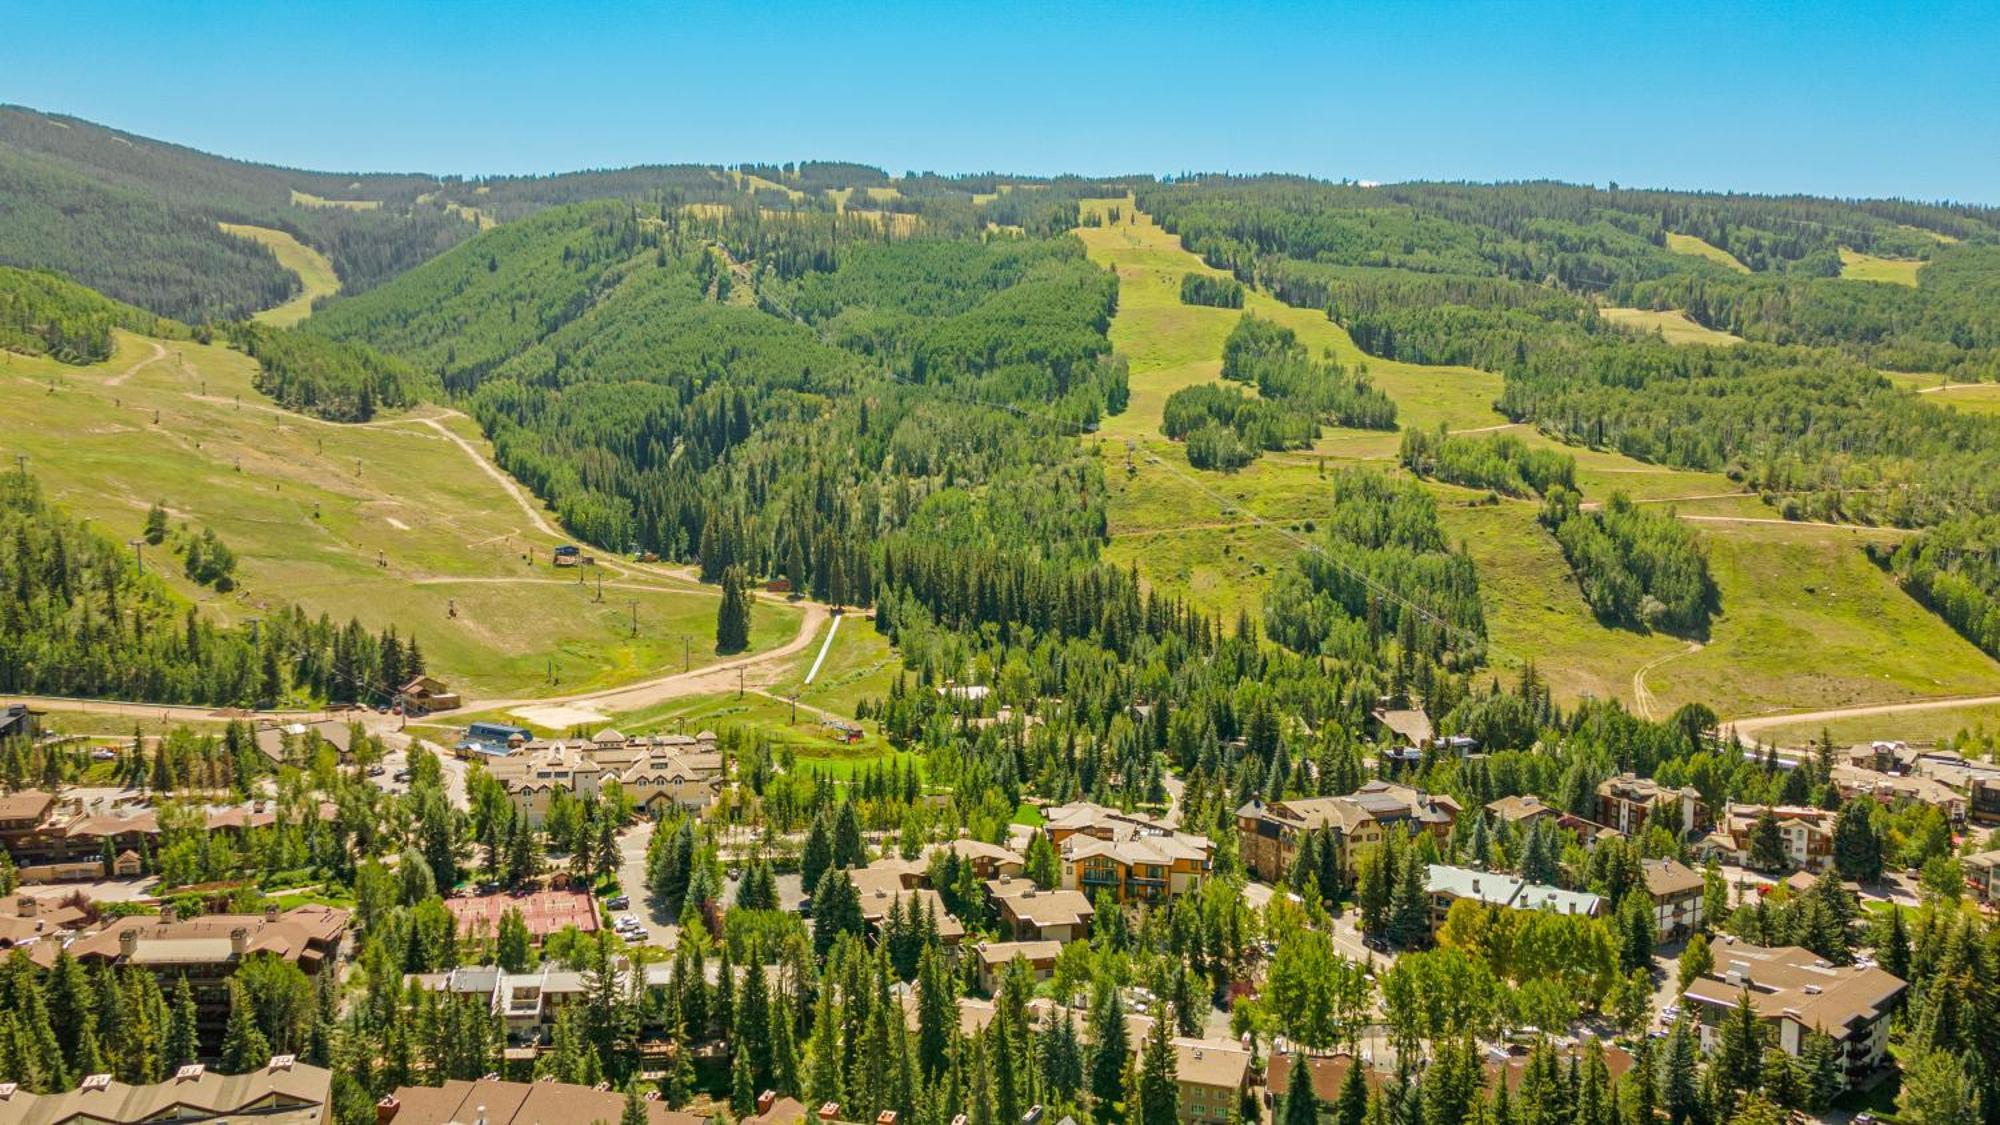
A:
[(600, 350), (42, 314), (82, 618), (1509, 278), (136, 218)]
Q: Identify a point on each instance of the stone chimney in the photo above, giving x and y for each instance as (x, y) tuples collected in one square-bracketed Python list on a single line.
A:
[(239, 941), (167, 914), (28, 905), (385, 1110), (886, 1117), (271, 913), (128, 942), (764, 1101), (830, 1111)]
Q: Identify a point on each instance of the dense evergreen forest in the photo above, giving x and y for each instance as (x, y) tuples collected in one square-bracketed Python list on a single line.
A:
[(1207, 289), (1269, 357), (606, 351), (1381, 570), (1637, 566), (1501, 463), (136, 219), (43, 314), (77, 617), (340, 382)]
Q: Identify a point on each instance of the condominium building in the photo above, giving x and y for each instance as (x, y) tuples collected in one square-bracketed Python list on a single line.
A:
[(1796, 992)]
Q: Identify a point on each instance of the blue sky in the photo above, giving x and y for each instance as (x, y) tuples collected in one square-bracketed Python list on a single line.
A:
[(1830, 98)]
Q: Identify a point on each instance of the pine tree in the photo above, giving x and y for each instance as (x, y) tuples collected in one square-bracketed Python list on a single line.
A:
[(817, 855), (1000, 1058), (1767, 845), (183, 1044), (848, 848), (1159, 1086), (1857, 846), (1351, 1107), (1062, 1060), (1410, 904), (742, 1088), (823, 1081), (1301, 1106), (784, 1051), (244, 1047), (937, 1013), (634, 1112), (1895, 953), (1108, 1049), (752, 1027), (732, 617), (1636, 930), (1739, 1050), (1042, 865), (1825, 1073), (1680, 1090)]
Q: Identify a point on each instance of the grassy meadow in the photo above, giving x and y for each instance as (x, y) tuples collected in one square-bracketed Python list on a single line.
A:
[(316, 276), (1973, 398), (1806, 621), (388, 522), (1856, 266), (1673, 325), (1689, 244), (308, 199)]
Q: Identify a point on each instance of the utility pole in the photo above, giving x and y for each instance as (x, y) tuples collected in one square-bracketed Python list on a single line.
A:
[(739, 681), (687, 652), (21, 463), (139, 553), (635, 617)]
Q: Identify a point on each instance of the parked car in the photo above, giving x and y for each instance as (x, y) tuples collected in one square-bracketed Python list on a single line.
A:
[(402, 775), (618, 902), (377, 771)]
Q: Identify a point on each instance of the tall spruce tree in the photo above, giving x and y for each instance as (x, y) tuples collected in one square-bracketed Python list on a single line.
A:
[(1109, 1048), (1301, 1105), (1159, 1085), (732, 617)]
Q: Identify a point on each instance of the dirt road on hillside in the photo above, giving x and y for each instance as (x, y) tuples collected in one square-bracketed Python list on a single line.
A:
[(520, 495), (1751, 726), (757, 670), (159, 353)]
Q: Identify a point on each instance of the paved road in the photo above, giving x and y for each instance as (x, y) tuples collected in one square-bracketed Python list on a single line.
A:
[(660, 929)]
